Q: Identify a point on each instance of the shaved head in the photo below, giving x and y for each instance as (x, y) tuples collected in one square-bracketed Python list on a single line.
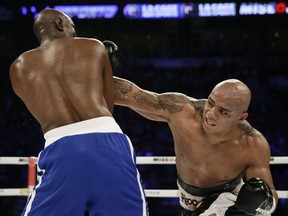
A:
[(50, 23), (235, 90), (43, 20)]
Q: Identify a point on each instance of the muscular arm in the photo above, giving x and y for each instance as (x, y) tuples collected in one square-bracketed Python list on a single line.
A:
[(108, 80), (258, 165), (156, 107)]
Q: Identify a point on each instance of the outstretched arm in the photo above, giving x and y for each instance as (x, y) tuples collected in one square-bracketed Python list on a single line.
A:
[(156, 107), (151, 105)]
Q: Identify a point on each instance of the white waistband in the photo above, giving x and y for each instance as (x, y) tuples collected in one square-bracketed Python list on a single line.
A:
[(102, 124)]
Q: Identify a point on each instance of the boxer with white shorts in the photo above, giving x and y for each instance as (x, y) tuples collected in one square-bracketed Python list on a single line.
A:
[(213, 144), (234, 198), (191, 197)]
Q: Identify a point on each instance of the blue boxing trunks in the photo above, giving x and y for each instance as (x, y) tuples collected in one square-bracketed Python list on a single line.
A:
[(216, 201), (87, 166)]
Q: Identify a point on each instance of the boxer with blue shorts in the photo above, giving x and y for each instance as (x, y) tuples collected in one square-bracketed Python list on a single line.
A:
[(88, 164), (93, 155)]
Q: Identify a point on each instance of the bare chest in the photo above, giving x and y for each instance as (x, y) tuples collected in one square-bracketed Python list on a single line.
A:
[(206, 165)]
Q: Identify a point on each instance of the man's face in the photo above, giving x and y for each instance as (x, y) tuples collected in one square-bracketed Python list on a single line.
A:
[(220, 113)]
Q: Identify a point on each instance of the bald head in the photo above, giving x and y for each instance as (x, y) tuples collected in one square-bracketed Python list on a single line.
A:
[(51, 24), (235, 90)]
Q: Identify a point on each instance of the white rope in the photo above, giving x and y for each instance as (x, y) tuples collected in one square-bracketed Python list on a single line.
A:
[(141, 160), (155, 160), (279, 160), (162, 193), (14, 160), (159, 193), (14, 192)]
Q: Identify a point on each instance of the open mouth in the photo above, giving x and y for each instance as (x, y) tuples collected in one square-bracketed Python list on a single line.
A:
[(210, 123)]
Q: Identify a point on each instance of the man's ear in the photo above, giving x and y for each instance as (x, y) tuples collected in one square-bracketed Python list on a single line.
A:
[(243, 116), (59, 24)]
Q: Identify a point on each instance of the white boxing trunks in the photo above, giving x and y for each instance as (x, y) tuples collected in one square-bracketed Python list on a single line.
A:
[(212, 201)]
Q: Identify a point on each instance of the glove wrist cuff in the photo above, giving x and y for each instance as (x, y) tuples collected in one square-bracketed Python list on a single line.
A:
[(264, 212)]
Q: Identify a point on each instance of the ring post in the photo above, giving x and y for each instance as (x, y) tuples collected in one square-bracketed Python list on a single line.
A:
[(32, 161)]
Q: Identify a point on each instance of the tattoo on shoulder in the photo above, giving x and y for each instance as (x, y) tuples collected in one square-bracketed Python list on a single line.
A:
[(247, 128), (198, 104)]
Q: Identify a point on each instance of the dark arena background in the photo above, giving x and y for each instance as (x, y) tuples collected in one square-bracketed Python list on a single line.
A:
[(176, 46)]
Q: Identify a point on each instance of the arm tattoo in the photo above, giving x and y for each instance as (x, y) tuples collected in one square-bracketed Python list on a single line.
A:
[(171, 102), (164, 102), (122, 89)]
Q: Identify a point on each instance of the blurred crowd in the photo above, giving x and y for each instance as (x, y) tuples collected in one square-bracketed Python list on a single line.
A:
[(185, 57)]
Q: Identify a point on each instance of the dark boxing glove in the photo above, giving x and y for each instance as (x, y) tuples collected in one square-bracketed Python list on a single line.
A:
[(115, 56), (255, 198)]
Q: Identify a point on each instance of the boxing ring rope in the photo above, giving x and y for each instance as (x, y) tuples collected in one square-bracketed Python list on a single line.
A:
[(140, 160)]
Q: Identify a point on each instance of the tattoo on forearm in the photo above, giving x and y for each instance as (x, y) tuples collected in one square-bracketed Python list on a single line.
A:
[(173, 103), (122, 89), (162, 102)]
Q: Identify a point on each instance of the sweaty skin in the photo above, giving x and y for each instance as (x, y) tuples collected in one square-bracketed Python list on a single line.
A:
[(66, 79), (213, 141)]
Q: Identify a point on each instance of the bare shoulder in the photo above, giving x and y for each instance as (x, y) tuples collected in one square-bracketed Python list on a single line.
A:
[(246, 127), (198, 104), (257, 143), (18, 69), (94, 40), (88, 41), (22, 58)]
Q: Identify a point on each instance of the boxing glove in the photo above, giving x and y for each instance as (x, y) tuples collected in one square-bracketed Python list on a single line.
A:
[(255, 198), (115, 56)]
